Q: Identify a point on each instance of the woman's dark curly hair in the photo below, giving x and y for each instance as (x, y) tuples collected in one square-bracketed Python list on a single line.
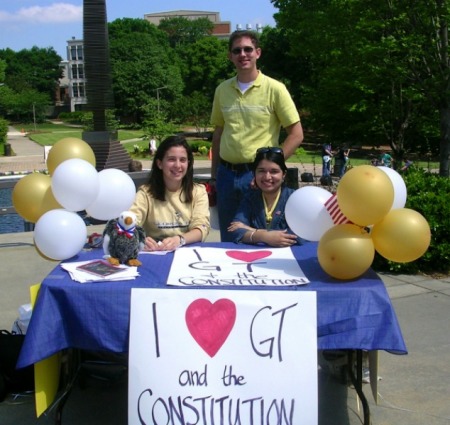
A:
[(156, 186)]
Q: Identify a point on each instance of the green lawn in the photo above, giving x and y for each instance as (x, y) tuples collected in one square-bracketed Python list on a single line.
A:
[(50, 133), (53, 137)]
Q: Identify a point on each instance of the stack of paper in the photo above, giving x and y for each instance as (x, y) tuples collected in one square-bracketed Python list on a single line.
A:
[(99, 271)]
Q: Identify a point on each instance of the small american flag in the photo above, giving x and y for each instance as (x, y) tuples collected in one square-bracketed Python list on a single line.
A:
[(333, 209)]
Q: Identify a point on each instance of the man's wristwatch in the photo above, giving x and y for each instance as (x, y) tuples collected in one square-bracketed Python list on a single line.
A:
[(182, 241)]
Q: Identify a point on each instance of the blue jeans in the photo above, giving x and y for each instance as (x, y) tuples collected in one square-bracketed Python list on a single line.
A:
[(231, 188), (343, 167), (326, 167)]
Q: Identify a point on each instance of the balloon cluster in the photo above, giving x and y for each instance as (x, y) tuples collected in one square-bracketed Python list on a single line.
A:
[(367, 214), (52, 201)]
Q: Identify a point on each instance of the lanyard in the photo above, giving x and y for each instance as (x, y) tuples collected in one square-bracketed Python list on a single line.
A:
[(270, 212)]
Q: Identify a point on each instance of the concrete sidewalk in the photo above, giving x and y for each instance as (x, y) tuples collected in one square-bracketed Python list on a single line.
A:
[(414, 389), (28, 155)]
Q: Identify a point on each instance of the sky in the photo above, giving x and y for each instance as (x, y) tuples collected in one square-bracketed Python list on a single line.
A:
[(49, 23)]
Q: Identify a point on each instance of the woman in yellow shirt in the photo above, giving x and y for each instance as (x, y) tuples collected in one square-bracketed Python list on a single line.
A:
[(172, 209)]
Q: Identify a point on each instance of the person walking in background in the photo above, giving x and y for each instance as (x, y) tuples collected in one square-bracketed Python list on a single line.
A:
[(260, 217), (386, 159), (152, 146), (248, 112), (408, 163), (343, 155), (172, 209), (327, 154), (375, 162)]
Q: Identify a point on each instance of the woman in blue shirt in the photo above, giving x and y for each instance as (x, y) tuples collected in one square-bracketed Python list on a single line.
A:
[(260, 217)]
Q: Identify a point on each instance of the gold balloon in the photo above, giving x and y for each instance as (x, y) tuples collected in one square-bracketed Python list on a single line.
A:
[(69, 148), (365, 194), (32, 197), (402, 236), (345, 251)]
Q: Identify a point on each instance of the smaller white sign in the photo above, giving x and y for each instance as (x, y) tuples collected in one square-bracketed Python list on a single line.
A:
[(219, 356), (202, 266)]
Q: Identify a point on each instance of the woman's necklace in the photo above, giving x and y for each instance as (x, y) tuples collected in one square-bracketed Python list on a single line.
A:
[(269, 211)]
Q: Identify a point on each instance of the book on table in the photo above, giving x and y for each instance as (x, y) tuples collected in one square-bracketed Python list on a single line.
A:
[(100, 268)]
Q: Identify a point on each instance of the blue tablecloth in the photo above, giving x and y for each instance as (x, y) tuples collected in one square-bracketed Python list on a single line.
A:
[(354, 314)]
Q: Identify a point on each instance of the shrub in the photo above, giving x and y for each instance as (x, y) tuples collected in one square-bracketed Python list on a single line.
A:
[(203, 150), (3, 130), (200, 146), (300, 152), (85, 118), (428, 195), (75, 117)]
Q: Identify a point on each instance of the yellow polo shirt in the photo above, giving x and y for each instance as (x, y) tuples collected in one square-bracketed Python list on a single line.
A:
[(252, 119)]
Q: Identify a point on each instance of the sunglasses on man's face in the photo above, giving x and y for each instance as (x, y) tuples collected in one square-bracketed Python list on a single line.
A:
[(246, 49), (270, 149)]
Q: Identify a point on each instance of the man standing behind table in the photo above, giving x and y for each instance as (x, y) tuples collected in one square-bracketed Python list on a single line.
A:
[(247, 114)]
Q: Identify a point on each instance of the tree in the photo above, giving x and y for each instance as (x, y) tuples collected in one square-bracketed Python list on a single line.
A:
[(36, 68), (156, 122), (3, 123), (195, 109), (380, 70), (182, 31), (2, 71), (24, 106), (143, 66), (278, 62), (3, 131), (204, 65)]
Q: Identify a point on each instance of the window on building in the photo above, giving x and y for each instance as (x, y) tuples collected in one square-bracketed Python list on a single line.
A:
[(76, 52), (77, 71), (74, 72), (78, 90), (73, 53), (81, 90)]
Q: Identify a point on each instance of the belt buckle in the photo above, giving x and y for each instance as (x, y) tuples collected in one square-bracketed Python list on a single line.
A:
[(235, 167)]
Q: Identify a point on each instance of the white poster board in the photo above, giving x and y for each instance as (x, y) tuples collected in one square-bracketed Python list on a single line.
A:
[(204, 266), (216, 356)]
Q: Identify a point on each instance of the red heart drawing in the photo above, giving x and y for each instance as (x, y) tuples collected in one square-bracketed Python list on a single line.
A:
[(210, 324), (248, 257)]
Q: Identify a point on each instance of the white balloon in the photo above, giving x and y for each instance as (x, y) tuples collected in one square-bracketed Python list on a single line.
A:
[(116, 194), (75, 184), (400, 191), (60, 234), (306, 214)]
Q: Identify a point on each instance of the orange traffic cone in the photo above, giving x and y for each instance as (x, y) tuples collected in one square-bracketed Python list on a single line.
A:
[(210, 154)]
